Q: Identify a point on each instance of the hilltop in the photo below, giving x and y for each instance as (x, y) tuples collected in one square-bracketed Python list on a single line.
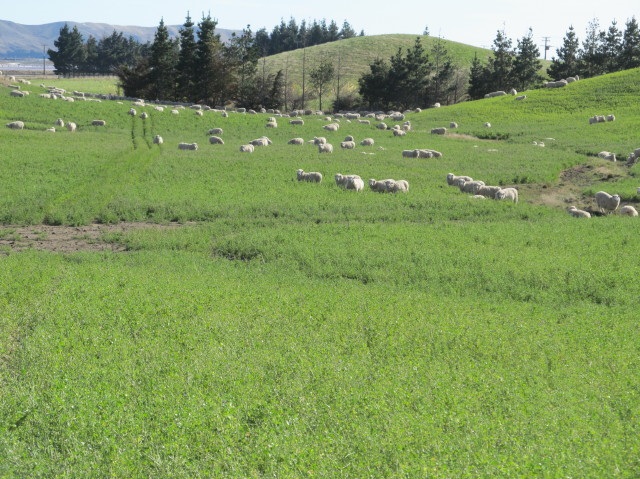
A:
[(27, 41)]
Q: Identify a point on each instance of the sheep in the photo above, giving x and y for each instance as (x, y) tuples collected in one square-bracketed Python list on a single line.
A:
[(597, 119), (382, 126), (175, 112), (341, 180), (576, 213), (98, 123), (318, 140), (487, 125), (325, 148), (216, 140), (513, 92), (349, 138), (367, 142), (507, 194), (296, 141), (331, 127), (59, 122), (607, 155), (438, 131), (427, 153), (610, 118), (16, 125), (272, 124), (409, 153), (71, 126), (17, 93), (488, 191), (607, 203), (158, 108), (628, 210), (132, 112), (312, 176), (398, 186), (187, 146), (354, 182), (364, 122), (521, 97), (144, 115), (262, 141), (215, 131), (556, 84), (398, 132), (471, 186), (347, 145), (495, 93), (247, 148), (453, 180), (297, 121), (52, 129), (380, 186), (157, 140), (453, 124)]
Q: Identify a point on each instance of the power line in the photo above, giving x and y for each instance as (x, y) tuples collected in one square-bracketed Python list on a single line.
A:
[(547, 47)]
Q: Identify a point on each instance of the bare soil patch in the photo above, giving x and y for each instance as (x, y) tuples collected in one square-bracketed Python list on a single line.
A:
[(69, 239)]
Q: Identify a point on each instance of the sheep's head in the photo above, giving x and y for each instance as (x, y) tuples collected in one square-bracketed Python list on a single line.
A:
[(372, 182)]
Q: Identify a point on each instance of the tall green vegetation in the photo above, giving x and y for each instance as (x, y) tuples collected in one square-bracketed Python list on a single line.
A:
[(70, 55)]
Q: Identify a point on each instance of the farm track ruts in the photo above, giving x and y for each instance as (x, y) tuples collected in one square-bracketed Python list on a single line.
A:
[(70, 239)]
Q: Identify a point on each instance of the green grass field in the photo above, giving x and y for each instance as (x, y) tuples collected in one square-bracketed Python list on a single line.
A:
[(271, 328)]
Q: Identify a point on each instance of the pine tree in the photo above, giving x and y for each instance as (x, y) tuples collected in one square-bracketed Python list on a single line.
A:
[(243, 55), (477, 79), (442, 83), (526, 64), (162, 65), (611, 47), (373, 86), (213, 76), (630, 51), (70, 54), (567, 63), (591, 61), (187, 67), (501, 64), (347, 31), (91, 56)]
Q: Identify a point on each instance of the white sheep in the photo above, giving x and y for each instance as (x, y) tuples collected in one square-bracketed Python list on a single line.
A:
[(318, 140), (488, 191), (398, 186), (607, 155), (262, 141), (16, 125), (59, 122), (187, 146), (611, 118), (215, 131), (507, 194), (51, 129), (349, 138), (628, 210), (409, 153), (144, 115), (347, 145), (71, 126), (487, 124), (364, 122), (521, 97), (271, 124), (247, 148), (331, 127), (343, 180), (132, 112), (607, 203), (453, 124), (216, 140), (296, 121), (453, 180), (382, 126), (311, 176), (157, 140), (495, 93), (427, 153), (576, 213), (471, 186), (438, 131), (296, 141), (325, 148), (17, 93), (380, 186), (399, 132), (354, 182), (367, 142)]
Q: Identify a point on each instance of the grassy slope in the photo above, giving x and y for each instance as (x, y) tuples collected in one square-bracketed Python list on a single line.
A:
[(300, 330)]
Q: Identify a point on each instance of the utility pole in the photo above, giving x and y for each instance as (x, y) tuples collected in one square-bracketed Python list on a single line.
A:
[(546, 46), (44, 58)]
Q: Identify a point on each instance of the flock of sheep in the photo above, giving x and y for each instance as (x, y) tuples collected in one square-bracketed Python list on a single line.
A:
[(605, 202)]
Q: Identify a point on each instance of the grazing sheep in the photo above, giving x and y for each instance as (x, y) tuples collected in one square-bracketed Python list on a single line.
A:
[(59, 122), (157, 140), (556, 84), (471, 186), (513, 92), (628, 210), (99, 123), (507, 194), (348, 145), (343, 180), (272, 124), (399, 132), (325, 148), (312, 176), (607, 203), (158, 108), (187, 146), (133, 112), (380, 186), (426, 153), (354, 182), (71, 126), (16, 125), (576, 213), (438, 131), (382, 126), (318, 140), (349, 138), (17, 93), (453, 124), (453, 180), (247, 148), (398, 186), (607, 155), (331, 127), (215, 131), (52, 129), (144, 115), (611, 118), (175, 112), (409, 153), (365, 122), (216, 140), (597, 119), (367, 142), (521, 97), (297, 121), (296, 141), (487, 125), (488, 191), (495, 93), (262, 141)]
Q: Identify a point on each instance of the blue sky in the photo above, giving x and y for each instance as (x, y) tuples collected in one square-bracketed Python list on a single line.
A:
[(467, 21)]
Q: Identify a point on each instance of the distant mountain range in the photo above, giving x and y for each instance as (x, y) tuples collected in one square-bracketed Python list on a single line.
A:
[(30, 41)]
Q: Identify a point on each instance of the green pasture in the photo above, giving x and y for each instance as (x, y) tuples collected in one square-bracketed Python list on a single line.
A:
[(290, 329)]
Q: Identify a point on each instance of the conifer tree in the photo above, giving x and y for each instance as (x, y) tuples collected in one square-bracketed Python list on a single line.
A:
[(630, 50), (567, 63), (526, 64), (70, 55)]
